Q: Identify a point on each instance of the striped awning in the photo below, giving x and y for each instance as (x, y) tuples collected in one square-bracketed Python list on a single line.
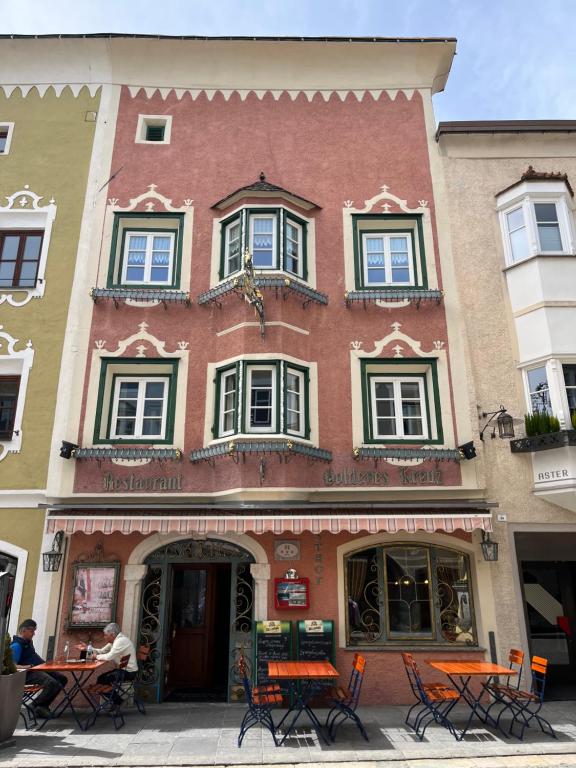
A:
[(207, 524)]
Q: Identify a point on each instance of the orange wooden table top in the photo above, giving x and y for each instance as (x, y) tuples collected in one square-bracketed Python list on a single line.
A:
[(463, 668), (301, 670), (68, 666)]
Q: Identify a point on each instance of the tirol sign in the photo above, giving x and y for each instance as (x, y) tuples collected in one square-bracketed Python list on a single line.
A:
[(118, 483), (406, 476)]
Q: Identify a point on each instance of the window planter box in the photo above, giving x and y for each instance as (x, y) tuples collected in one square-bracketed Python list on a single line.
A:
[(546, 442)]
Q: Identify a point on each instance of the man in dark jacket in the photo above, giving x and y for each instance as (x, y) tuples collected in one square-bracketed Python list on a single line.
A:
[(25, 657)]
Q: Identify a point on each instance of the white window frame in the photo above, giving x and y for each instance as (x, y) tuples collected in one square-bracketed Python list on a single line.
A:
[(248, 398), (236, 222), (224, 376), (525, 196), (15, 363), (145, 120), (275, 244), (148, 258), (397, 381), (289, 371), (386, 237), (139, 419), (529, 393), (10, 128), (23, 211)]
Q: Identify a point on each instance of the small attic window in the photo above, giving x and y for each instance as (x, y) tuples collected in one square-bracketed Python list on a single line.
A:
[(153, 129), (155, 132)]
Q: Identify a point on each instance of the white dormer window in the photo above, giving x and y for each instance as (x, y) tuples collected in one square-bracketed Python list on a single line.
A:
[(537, 219)]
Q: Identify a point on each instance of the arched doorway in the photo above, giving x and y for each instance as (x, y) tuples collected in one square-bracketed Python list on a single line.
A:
[(196, 615)]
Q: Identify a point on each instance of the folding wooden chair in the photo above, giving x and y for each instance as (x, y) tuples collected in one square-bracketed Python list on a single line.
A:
[(108, 697), (434, 701), (498, 691), (131, 688), (345, 700), (260, 701), (525, 706)]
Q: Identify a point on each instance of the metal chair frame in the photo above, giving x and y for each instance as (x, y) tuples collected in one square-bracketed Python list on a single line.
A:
[(498, 690), (434, 701), (28, 695), (345, 700), (105, 694), (260, 701), (525, 706)]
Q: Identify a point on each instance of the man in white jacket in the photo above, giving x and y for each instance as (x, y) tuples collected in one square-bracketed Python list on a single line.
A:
[(117, 646)]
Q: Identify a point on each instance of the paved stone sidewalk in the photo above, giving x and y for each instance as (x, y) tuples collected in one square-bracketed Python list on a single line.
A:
[(206, 734)]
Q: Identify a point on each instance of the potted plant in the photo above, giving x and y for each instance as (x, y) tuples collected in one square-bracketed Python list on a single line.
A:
[(540, 423), (12, 684)]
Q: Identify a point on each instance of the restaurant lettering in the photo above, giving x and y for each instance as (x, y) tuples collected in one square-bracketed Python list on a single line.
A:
[(132, 482), (407, 476)]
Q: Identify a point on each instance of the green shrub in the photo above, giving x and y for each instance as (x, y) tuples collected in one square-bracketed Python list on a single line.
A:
[(8, 666), (540, 423)]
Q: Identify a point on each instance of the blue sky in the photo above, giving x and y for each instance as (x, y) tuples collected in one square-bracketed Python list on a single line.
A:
[(515, 58)]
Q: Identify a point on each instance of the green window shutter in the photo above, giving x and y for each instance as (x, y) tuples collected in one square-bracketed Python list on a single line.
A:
[(217, 387), (306, 403)]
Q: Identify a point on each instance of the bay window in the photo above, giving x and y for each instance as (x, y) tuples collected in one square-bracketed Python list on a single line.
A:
[(538, 390), (265, 398), (276, 238)]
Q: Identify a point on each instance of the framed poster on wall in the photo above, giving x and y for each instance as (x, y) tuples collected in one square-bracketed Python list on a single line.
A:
[(94, 593), (292, 593)]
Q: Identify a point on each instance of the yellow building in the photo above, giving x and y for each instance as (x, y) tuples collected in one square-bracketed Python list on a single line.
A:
[(46, 140)]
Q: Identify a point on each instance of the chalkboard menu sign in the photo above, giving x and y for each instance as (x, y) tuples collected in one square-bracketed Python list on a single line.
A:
[(272, 642), (315, 640)]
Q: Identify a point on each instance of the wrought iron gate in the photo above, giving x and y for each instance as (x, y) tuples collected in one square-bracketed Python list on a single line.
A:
[(154, 605)]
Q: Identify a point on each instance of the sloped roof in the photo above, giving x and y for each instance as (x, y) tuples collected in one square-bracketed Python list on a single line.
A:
[(263, 188), (532, 175)]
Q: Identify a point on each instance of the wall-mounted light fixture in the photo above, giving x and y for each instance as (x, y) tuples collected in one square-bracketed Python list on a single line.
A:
[(51, 560), (504, 422), (489, 548), (467, 450), (67, 449)]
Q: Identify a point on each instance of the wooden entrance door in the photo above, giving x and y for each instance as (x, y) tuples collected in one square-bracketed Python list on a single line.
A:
[(191, 660)]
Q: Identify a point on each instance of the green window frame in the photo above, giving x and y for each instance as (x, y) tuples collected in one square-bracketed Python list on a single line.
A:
[(409, 592), (113, 371), (289, 253), (363, 227), (391, 370), (288, 401), (120, 240)]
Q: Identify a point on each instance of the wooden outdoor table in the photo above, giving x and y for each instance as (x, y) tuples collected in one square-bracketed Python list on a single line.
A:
[(308, 673), (460, 673), (81, 672)]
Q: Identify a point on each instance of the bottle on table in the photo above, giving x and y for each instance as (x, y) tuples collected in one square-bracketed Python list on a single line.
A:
[(89, 652), (67, 651)]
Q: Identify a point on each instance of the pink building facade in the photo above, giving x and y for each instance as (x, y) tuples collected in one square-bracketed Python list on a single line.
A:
[(269, 374)]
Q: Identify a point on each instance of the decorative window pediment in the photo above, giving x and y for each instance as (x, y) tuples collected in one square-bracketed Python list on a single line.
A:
[(25, 231), (388, 252), (265, 190)]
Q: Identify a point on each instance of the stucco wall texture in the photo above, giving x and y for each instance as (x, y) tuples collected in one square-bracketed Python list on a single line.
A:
[(316, 150), (50, 151), (476, 169)]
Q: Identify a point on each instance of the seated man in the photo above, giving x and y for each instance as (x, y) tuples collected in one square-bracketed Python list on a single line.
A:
[(117, 646), (25, 657)]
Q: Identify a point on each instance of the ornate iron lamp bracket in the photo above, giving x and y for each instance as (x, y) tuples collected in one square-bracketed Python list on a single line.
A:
[(250, 292)]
